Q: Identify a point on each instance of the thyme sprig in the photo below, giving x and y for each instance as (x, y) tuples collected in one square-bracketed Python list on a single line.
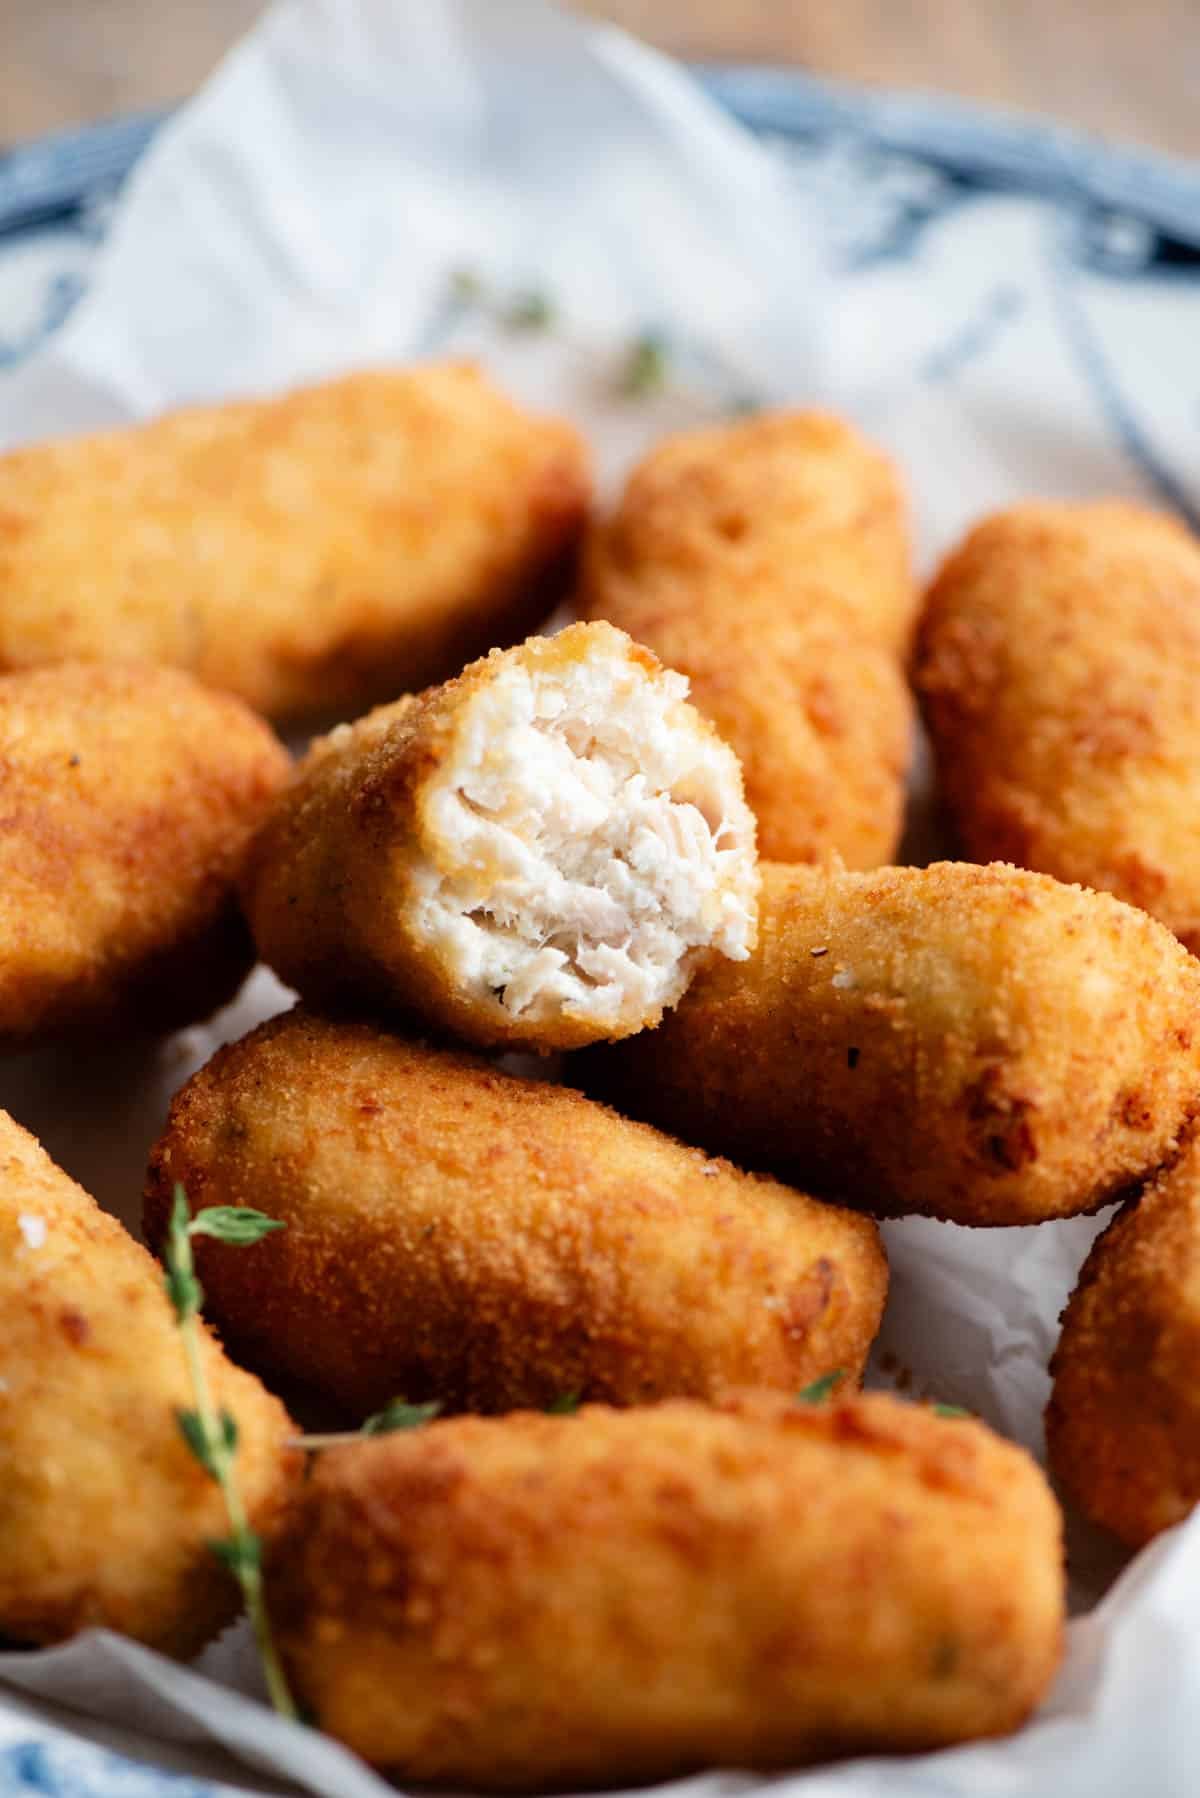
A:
[(646, 366), (397, 1414), (212, 1436), (821, 1389)]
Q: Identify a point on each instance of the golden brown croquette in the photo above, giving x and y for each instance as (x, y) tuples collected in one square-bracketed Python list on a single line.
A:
[(313, 552), (1123, 1423), (1058, 665), (531, 1602), (105, 1514), (768, 560), (460, 1233), (978, 1044), (129, 795)]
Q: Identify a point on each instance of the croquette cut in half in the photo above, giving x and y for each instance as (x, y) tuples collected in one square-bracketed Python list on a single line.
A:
[(768, 560), (539, 853), (312, 552), (982, 1045), (537, 1602), (1058, 666), (106, 1516), (1123, 1423), (130, 795), (460, 1233)]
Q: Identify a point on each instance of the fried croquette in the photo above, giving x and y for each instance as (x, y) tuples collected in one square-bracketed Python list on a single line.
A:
[(1058, 665), (130, 794), (318, 551), (1123, 1423), (105, 1514), (978, 1044), (768, 560), (532, 1602), (538, 854), (460, 1233)]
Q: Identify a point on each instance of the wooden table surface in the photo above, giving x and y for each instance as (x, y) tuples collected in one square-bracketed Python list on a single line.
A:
[(1126, 68)]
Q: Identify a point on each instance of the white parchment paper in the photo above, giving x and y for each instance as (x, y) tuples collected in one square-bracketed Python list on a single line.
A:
[(309, 212)]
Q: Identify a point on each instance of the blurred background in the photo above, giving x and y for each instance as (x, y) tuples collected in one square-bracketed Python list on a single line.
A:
[(1125, 68)]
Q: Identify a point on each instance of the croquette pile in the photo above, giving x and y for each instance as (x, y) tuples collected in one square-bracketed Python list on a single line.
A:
[(654, 1524)]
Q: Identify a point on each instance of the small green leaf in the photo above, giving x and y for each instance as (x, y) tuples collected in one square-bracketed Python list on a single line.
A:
[(229, 1431), (185, 1292), (208, 1453), (400, 1415), (241, 1554), (646, 365), (565, 1405), (950, 1411), (236, 1224), (820, 1390), (466, 285), (529, 312)]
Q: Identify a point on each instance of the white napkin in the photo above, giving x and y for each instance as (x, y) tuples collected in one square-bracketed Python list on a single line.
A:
[(315, 208)]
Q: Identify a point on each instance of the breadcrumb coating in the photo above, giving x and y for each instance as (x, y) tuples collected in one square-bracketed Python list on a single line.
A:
[(130, 794), (460, 1233), (555, 1602), (313, 552), (974, 1043), (768, 560), (105, 1514), (1058, 666), (1123, 1423)]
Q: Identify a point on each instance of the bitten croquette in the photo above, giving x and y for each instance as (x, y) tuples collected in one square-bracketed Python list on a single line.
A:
[(538, 854)]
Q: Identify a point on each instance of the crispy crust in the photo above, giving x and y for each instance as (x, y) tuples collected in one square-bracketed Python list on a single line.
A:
[(978, 1044), (130, 796), (312, 552), (551, 1602), (768, 560), (331, 885), (461, 1233), (105, 1516), (1058, 664), (1123, 1423)]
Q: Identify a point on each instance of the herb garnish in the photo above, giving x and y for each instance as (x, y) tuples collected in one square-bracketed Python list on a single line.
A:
[(820, 1390), (646, 366), (529, 311), (950, 1411), (213, 1438), (466, 285), (565, 1405), (397, 1414)]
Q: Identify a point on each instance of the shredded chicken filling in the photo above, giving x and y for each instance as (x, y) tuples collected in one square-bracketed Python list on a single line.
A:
[(590, 839)]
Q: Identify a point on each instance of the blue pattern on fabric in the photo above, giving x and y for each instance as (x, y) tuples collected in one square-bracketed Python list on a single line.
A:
[(58, 1768)]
